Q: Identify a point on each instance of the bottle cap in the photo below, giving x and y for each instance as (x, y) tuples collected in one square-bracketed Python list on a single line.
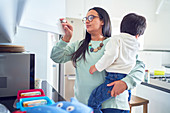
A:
[(63, 20)]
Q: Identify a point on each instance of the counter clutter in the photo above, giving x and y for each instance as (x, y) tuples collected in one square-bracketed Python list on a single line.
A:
[(60, 107), (165, 78), (8, 102), (29, 99), (34, 101), (158, 79), (160, 75), (161, 82)]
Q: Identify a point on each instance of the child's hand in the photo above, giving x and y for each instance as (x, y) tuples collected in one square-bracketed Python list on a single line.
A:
[(92, 69)]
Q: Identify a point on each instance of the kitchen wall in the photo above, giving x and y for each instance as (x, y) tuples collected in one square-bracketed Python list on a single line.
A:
[(156, 35), (36, 42)]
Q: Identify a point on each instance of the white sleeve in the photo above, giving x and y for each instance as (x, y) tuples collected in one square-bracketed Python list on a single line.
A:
[(110, 54)]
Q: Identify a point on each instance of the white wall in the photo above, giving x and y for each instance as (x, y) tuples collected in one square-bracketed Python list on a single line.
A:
[(36, 42), (157, 35), (158, 27)]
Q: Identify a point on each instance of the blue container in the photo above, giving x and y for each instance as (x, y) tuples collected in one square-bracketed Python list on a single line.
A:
[(23, 100)]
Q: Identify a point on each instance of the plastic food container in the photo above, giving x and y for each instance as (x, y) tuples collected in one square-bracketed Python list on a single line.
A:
[(30, 93), (27, 103)]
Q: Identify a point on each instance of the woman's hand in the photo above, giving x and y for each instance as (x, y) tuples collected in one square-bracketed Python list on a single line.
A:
[(92, 69), (118, 88), (68, 29)]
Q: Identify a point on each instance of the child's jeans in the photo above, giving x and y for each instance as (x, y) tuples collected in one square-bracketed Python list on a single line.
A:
[(103, 92)]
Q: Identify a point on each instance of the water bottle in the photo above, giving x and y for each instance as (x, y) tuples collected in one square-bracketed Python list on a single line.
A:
[(147, 76)]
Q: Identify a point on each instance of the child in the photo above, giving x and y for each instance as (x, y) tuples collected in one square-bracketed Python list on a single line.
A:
[(120, 61)]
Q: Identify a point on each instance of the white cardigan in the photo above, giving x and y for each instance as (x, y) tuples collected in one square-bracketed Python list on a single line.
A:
[(119, 55)]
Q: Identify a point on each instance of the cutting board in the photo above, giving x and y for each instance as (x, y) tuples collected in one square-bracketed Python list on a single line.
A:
[(11, 49)]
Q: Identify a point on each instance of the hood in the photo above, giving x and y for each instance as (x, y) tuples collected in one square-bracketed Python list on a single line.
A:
[(130, 41), (8, 12)]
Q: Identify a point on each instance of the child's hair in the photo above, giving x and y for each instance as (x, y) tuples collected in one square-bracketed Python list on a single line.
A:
[(133, 24)]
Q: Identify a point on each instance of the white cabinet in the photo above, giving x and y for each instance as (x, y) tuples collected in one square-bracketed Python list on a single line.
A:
[(43, 15), (158, 100)]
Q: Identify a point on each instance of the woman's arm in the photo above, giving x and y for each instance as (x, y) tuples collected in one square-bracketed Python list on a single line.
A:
[(130, 81), (135, 76), (62, 51)]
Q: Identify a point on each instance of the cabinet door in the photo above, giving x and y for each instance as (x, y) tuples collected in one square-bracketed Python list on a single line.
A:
[(43, 15)]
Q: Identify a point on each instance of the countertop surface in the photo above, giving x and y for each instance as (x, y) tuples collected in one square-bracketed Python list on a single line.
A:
[(49, 91), (158, 84)]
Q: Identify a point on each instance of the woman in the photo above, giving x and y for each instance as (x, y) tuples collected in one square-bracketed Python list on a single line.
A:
[(86, 53)]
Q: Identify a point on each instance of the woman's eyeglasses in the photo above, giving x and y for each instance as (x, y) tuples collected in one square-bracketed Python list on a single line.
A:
[(89, 18)]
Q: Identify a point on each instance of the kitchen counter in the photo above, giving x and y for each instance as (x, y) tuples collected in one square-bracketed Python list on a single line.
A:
[(158, 94), (49, 91), (159, 84)]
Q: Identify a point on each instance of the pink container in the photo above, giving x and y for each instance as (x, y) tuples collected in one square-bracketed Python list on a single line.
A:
[(30, 93)]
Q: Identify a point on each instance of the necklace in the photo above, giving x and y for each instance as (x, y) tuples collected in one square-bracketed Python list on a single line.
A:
[(96, 49)]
